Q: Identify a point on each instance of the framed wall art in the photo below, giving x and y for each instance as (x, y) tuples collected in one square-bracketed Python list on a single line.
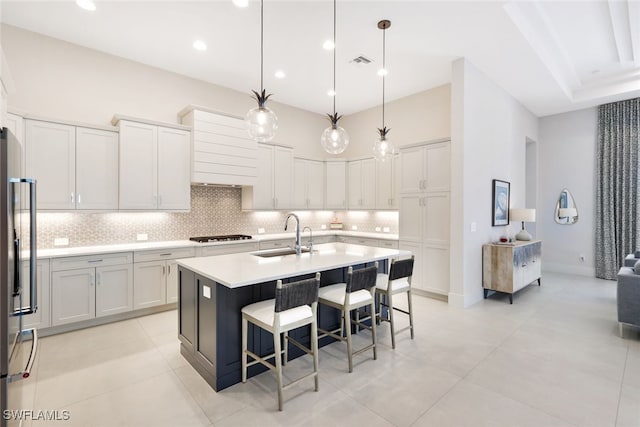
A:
[(500, 210)]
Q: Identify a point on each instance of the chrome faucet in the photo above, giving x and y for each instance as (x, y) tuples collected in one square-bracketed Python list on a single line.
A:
[(298, 245), (310, 242)]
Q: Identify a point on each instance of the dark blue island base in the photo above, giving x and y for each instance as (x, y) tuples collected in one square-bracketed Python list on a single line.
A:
[(209, 323)]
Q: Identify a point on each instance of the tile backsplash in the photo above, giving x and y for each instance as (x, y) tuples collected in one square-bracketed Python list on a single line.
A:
[(214, 210)]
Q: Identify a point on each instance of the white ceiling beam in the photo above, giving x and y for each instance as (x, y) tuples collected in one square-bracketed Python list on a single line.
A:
[(633, 14), (620, 22)]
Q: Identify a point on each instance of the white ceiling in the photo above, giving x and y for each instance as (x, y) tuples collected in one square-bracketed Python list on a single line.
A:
[(552, 56)]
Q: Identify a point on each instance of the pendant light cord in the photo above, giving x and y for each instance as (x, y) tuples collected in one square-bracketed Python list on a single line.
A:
[(334, 57), (384, 68), (261, 45)]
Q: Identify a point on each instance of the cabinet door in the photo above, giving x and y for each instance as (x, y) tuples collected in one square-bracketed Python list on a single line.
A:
[(73, 296), (384, 184), (114, 289), (395, 189), (411, 170), (283, 177), (336, 185), (354, 177), (417, 280), (300, 200), (138, 166), (438, 167), (172, 282), (436, 269), (96, 169), (410, 218), (368, 184), (263, 197), (50, 159), (436, 219), (174, 169), (149, 284), (315, 184), (42, 317)]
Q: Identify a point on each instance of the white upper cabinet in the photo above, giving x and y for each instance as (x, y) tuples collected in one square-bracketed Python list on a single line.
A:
[(154, 167), (274, 185), (387, 183), (335, 185), (425, 168), (362, 184), (96, 169), (308, 184)]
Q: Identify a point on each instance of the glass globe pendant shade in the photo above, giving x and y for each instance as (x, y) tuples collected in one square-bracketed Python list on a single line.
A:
[(383, 149), (334, 139), (261, 123)]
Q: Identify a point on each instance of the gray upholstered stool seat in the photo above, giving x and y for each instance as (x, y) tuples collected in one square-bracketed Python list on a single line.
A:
[(358, 292), (396, 282), (295, 305)]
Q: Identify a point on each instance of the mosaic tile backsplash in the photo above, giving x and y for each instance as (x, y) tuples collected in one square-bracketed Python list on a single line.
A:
[(214, 210)]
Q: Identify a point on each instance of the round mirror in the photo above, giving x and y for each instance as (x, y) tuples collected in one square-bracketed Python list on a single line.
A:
[(566, 210)]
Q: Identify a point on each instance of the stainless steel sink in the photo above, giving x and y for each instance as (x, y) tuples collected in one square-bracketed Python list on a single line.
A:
[(277, 252)]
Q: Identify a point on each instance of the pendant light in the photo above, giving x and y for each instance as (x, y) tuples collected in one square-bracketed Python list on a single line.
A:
[(261, 122), (334, 139), (383, 148)]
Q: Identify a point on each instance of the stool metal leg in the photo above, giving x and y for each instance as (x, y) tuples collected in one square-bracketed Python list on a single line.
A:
[(314, 349), (373, 330), (347, 322), (410, 305), (391, 322), (245, 327), (278, 360)]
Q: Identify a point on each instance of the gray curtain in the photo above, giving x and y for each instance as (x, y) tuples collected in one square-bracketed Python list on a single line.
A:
[(617, 185)]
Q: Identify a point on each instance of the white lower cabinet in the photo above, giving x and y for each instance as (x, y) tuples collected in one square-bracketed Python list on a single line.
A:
[(227, 248), (86, 287), (156, 276), (42, 317), (368, 241)]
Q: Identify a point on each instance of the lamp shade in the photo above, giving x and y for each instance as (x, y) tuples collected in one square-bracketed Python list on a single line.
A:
[(567, 212), (524, 215)]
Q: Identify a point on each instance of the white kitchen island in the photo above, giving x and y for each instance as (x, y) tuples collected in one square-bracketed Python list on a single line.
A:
[(212, 291)]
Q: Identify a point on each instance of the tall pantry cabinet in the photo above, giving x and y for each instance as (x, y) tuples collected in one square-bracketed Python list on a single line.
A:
[(425, 213)]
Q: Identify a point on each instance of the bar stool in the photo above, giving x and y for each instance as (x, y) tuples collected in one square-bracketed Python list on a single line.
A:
[(358, 292), (295, 305), (396, 282)]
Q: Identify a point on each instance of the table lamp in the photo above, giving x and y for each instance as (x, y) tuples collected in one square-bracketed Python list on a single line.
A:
[(523, 215)]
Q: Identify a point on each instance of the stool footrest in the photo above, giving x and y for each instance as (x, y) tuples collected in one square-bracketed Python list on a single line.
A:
[(300, 346), (262, 360), (299, 380)]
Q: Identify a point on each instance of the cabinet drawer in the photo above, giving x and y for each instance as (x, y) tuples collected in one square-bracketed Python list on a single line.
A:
[(359, 241), (85, 261), (162, 254), (275, 244), (232, 248), (391, 244), (317, 240)]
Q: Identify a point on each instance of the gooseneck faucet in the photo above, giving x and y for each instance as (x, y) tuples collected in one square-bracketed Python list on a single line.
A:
[(298, 245), (310, 242)]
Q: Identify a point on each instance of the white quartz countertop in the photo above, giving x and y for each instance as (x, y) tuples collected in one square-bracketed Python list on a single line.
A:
[(243, 269), (141, 246)]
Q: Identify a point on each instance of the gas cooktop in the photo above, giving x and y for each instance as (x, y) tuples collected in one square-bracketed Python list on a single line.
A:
[(224, 238)]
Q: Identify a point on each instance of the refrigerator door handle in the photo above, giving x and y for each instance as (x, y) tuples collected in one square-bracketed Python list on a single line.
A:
[(26, 372), (33, 288)]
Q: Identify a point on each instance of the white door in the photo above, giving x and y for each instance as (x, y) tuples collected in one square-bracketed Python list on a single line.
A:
[(412, 170), (50, 159), (149, 284), (42, 317), (354, 187), (96, 169), (263, 197), (384, 184), (73, 296), (336, 185), (174, 169), (315, 184), (283, 177), (368, 184), (436, 219), (172, 281), (438, 167), (411, 217), (436, 269), (138, 166), (300, 184), (114, 289)]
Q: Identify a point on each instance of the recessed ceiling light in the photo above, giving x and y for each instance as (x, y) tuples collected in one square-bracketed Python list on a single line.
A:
[(200, 45), (280, 74), (382, 72), (86, 5), (241, 3), (328, 44), (331, 92)]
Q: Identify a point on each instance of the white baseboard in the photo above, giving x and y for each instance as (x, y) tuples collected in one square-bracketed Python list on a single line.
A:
[(569, 269)]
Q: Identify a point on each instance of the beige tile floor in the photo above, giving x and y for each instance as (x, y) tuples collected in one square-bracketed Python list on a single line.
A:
[(553, 358)]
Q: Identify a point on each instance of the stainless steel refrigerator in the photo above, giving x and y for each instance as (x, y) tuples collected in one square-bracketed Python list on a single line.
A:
[(18, 279)]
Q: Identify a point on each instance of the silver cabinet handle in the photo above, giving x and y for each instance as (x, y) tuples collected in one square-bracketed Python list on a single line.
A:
[(79, 198), (26, 372), (169, 268), (98, 279), (92, 280), (94, 260), (166, 254), (163, 270)]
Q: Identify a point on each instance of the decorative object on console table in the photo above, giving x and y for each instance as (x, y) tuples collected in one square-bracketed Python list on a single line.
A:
[(523, 215), (500, 205), (507, 268)]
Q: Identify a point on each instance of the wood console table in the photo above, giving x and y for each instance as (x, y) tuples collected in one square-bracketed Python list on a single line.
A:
[(510, 267)]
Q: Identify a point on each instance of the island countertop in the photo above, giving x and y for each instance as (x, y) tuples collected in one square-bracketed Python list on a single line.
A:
[(243, 269)]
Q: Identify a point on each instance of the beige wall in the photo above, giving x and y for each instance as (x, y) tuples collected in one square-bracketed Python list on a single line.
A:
[(421, 117), (59, 80)]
